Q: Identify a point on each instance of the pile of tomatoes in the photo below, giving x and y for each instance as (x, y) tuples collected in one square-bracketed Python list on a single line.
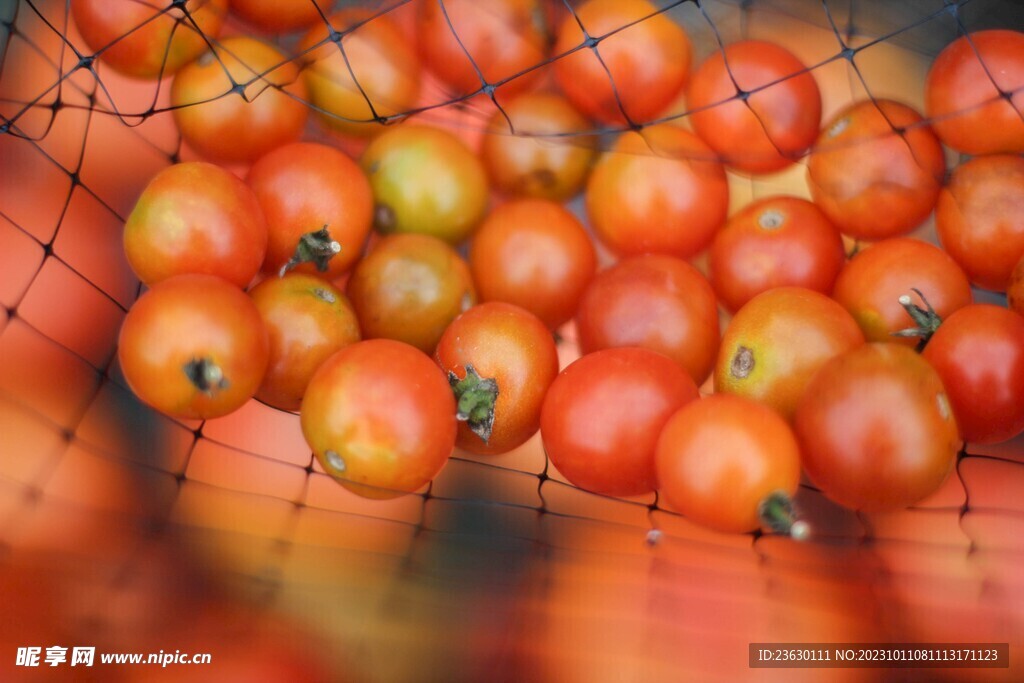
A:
[(407, 300)]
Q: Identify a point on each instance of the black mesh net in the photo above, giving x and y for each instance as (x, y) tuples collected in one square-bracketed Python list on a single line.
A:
[(129, 531)]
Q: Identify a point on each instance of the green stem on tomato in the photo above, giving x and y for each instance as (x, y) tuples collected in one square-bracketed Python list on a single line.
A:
[(777, 513), (476, 397), (927, 321), (205, 375), (315, 247)]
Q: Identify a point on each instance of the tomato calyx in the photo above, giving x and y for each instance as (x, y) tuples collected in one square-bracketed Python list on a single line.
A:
[(384, 219), (778, 514), (926, 319), (315, 247), (205, 375), (742, 363), (475, 397)]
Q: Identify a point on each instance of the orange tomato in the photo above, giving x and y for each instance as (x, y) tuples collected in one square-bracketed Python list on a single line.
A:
[(280, 16)]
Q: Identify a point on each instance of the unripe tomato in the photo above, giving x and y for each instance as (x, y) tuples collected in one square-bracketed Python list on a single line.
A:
[(380, 417), (194, 347), (500, 360), (876, 429), (239, 100), (426, 181), (195, 217)]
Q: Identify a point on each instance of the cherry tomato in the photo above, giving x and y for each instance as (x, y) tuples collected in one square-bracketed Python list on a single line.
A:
[(978, 352), (370, 75), (774, 242), (307, 187), (660, 190), (425, 180), (538, 148), (535, 254), (974, 93), (280, 16), (875, 428), (872, 282), (602, 415), (498, 40), (147, 40), (227, 126), (1015, 292), (777, 121), (409, 288), (513, 359), (307, 320), (724, 461), (194, 347), (643, 65), (195, 217), (380, 417), (775, 344), (876, 170), (655, 302), (980, 218)]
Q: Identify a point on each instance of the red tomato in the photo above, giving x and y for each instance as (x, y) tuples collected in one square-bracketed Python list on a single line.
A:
[(409, 288), (980, 218), (871, 284), (656, 302), (777, 120), (643, 65), (602, 415), (370, 76), (269, 110), (195, 217), (513, 359), (427, 181), (730, 463), (498, 40), (535, 254), (978, 352), (307, 320), (975, 92), (306, 187), (774, 242), (145, 39), (876, 170), (281, 16), (1015, 292), (538, 147), (193, 347), (777, 342), (876, 430), (380, 417), (660, 190)]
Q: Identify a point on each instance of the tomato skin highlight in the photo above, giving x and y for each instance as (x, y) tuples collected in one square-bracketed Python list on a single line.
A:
[(661, 190), (139, 43), (870, 284), (380, 417), (602, 415), (195, 217), (536, 254), (870, 180), (307, 320), (980, 218), (876, 429), (978, 352), (655, 302), (512, 346), (778, 341), (780, 118), (962, 92), (774, 242), (303, 187), (188, 318), (719, 458)]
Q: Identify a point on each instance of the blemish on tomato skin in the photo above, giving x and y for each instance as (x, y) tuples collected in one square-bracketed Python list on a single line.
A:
[(742, 363), (336, 462)]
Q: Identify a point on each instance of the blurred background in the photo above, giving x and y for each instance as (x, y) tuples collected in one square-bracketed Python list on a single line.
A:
[(128, 531)]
